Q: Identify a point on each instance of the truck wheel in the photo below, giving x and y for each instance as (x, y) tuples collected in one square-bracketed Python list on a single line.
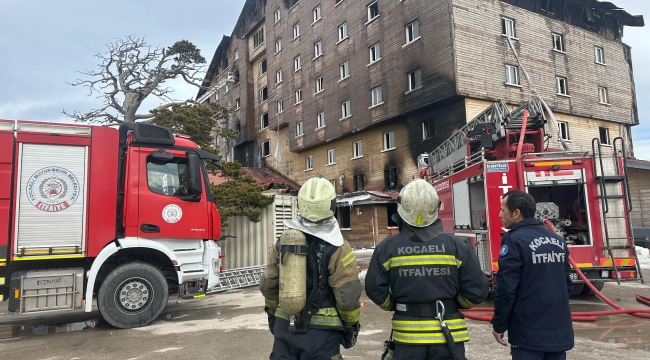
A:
[(577, 289), (132, 295), (597, 284)]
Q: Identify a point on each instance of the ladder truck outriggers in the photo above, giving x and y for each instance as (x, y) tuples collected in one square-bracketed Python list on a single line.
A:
[(585, 195), (124, 216)]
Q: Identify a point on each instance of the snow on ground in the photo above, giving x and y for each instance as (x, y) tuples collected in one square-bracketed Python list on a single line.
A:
[(644, 257)]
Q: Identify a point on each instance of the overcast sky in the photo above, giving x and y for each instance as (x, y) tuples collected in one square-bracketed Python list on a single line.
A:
[(44, 42)]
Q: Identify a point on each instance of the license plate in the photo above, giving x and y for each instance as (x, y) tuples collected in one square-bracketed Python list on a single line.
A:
[(573, 276)]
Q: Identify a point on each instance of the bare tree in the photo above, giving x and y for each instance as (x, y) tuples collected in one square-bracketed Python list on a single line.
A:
[(132, 70)]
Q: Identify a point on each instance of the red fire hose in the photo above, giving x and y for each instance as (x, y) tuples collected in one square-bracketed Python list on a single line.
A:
[(590, 316)]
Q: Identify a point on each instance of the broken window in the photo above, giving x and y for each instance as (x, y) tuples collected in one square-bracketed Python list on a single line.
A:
[(344, 217), (390, 178), (359, 182)]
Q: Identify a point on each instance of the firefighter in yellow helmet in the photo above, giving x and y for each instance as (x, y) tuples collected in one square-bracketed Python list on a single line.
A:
[(311, 282), (425, 276)]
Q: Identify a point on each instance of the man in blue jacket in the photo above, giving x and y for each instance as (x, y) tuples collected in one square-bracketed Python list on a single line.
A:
[(533, 285)]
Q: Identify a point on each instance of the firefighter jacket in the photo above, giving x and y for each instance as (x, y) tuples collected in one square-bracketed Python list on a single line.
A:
[(409, 272), (339, 288), (533, 289)]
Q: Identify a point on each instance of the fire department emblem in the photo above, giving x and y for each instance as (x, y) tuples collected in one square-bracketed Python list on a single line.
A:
[(52, 189), (172, 213)]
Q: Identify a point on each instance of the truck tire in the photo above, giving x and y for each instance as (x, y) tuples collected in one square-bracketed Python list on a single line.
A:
[(577, 289), (597, 284), (132, 295)]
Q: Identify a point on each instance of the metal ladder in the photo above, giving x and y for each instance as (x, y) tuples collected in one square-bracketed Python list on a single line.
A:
[(238, 278), (614, 194)]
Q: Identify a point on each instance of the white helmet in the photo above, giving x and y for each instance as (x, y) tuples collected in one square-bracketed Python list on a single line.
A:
[(315, 199), (418, 203)]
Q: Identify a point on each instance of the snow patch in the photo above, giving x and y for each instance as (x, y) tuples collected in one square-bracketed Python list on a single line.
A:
[(362, 275), (364, 251), (249, 322), (644, 257)]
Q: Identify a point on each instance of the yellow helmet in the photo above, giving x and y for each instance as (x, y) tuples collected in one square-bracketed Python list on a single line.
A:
[(418, 203), (315, 199)]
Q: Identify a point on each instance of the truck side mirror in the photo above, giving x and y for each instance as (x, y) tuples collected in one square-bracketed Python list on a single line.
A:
[(195, 174)]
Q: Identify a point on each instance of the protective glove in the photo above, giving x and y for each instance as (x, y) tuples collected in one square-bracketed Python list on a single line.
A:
[(349, 334)]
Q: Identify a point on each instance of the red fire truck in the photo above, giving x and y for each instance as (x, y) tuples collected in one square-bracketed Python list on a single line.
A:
[(584, 194), (124, 216)]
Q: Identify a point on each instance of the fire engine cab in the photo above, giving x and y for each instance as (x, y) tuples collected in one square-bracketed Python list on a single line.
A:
[(585, 195), (124, 216)]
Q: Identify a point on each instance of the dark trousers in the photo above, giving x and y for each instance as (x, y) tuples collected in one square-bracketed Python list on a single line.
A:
[(315, 344), (523, 354), (427, 352)]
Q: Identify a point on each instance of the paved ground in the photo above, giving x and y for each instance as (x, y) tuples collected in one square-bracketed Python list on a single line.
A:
[(233, 326)]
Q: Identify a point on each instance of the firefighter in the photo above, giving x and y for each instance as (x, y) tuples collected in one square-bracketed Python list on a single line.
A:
[(418, 272), (533, 285), (330, 317)]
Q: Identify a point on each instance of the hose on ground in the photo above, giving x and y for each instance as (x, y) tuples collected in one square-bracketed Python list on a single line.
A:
[(581, 316)]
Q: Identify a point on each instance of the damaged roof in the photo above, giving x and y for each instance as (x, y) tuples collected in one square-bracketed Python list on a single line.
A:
[(263, 176)]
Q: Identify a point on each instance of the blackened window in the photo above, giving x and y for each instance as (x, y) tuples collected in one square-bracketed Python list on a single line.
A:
[(390, 178), (358, 182), (344, 216)]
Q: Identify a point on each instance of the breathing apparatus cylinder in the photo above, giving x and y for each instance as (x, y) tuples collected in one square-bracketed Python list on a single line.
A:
[(293, 274)]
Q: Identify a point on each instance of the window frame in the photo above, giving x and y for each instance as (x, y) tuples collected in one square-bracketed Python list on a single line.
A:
[(177, 161), (564, 130), (599, 50), (316, 14), (237, 103), (237, 54), (556, 36), (426, 130), (558, 81), (388, 139), (517, 80), (258, 39), (344, 69), (297, 63), (318, 49), (374, 96), (505, 29), (414, 78), (277, 15), (415, 31), (262, 118), (331, 156), (263, 67), (264, 95), (343, 31), (346, 110), (357, 149), (264, 144), (296, 31), (600, 135), (300, 129), (602, 92), (319, 85), (278, 76), (280, 106), (278, 45), (309, 162), (320, 120), (359, 182), (298, 95), (375, 53), (369, 9)]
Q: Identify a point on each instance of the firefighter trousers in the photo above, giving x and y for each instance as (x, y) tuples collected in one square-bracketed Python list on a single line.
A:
[(315, 344), (427, 352), (523, 354)]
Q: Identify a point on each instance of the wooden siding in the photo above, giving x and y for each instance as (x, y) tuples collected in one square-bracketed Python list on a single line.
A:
[(640, 193)]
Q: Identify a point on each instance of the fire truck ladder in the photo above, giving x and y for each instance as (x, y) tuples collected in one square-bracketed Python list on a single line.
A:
[(238, 278), (614, 195), (497, 119)]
